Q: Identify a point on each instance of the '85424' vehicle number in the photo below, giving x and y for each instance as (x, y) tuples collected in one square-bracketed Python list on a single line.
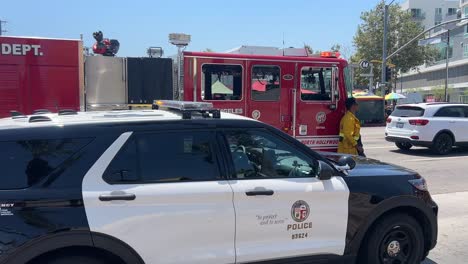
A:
[(300, 236)]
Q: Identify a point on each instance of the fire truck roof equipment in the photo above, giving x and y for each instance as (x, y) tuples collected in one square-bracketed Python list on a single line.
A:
[(179, 39), (105, 46)]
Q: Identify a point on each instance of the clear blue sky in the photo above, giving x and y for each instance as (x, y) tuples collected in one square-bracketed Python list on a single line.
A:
[(218, 25)]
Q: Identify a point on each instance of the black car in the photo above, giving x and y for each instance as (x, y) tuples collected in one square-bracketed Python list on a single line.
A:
[(188, 184)]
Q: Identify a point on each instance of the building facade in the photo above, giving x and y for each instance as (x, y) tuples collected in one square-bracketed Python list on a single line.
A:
[(430, 79), (431, 12)]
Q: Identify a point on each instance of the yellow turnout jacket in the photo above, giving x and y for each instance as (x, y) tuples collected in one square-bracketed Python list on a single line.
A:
[(350, 131)]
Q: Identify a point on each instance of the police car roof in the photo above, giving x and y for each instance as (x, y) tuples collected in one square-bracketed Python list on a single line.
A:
[(97, 117)]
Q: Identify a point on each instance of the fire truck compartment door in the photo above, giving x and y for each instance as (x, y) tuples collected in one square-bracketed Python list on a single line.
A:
[(105, 80), (149, 79), (317, 94), (268, 87)]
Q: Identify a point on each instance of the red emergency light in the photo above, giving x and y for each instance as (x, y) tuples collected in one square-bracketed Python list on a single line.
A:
[(330, 54)]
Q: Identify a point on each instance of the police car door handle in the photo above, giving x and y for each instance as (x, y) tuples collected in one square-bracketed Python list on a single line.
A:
[(260, 191), (117, 196)]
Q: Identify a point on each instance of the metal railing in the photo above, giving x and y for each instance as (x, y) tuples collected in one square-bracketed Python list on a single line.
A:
[(419, 16), (464, 99)]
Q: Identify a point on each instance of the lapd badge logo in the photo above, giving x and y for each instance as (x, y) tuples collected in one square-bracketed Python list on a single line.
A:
[(300, 211), (321, 117)]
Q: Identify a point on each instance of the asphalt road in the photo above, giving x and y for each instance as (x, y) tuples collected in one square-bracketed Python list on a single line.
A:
[(444, 174), (447, 177)]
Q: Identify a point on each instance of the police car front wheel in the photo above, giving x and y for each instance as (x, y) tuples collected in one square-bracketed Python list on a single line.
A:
[(396, 239)]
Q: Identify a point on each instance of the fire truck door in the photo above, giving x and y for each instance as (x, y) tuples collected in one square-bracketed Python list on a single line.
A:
[(316, 119), (268, 86)]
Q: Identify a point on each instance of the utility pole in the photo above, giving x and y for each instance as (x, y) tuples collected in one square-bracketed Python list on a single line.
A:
[(1, 29), (384, 50), (384, 46), (447, 65)]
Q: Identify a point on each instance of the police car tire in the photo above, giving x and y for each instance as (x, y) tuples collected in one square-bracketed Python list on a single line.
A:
[(75, 260), (374, 247)]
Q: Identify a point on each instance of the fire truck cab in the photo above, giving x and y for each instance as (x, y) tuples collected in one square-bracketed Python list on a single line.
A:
[(302, 95)]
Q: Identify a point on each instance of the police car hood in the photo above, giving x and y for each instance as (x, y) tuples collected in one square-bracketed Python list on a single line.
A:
[(370, 167)]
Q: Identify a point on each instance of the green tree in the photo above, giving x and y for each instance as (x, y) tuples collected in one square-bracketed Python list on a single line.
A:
[(439, 93), (402, 28), (309, 49), (336, 48), (344, 50)]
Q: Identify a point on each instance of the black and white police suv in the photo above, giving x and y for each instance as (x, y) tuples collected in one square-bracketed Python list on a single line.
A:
[(189, 184)]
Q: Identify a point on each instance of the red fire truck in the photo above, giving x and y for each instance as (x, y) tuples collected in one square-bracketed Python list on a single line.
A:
[(303, 96), (39, 73)]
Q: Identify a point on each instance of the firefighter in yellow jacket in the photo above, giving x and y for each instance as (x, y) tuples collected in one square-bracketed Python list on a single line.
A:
[(350, 130)]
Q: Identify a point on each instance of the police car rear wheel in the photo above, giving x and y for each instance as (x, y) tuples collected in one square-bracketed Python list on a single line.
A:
[(397, 239), (403, 145)]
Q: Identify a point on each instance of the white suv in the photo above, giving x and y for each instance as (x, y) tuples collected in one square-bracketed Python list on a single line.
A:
[(439, 126)]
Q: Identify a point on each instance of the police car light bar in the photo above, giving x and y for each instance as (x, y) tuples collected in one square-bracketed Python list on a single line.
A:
[(188, 107), (183, 106)]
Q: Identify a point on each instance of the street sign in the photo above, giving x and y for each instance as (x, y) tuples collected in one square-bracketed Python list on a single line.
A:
[(364, 64), (367, 75)]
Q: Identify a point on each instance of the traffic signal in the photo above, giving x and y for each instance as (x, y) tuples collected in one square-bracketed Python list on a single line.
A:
[(388, 74)]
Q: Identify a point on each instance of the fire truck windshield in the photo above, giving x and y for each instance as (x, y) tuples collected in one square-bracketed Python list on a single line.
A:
[(316, 84)]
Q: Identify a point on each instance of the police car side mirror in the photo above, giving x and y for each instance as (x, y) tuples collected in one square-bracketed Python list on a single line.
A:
[(347, 161), (325, 171)]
